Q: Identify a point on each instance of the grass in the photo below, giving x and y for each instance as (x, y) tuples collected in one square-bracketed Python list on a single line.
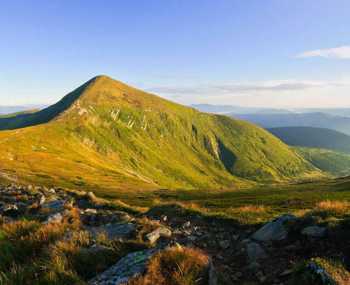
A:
[(176, 266), (252, 205)]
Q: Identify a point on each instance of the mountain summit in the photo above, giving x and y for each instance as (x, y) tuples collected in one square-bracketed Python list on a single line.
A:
[(109, 136)]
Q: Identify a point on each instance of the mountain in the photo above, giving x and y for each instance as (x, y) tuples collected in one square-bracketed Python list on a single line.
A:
[(318, 120), (108, 136), (224, 109), (332, 162), (313, 137), (4, 110)]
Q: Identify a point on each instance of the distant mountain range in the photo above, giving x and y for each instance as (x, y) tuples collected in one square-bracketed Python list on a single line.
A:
[(226, 109), (318, 120), (108, 136), (313, 137), (4, 110)]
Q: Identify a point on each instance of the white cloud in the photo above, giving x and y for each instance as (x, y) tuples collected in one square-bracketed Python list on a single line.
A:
[(270, 93), (342, 52)]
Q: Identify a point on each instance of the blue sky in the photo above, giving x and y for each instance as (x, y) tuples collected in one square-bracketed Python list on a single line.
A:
[(278, 53)]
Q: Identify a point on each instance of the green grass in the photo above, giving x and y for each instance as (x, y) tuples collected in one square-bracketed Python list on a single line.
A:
[(333, 162), (249, 206), (109, 137)]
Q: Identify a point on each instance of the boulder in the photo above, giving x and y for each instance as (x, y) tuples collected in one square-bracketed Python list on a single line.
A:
[(113, 231), (152, 237), (274, 230), (314, 231), (130, 266), (255, 252)]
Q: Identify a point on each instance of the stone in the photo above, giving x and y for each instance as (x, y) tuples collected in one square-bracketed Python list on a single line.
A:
[(10, 210), (255, 252), (224, 244), (42, 200), (314, 231), (130, 266), (274, 230), (113, 231), (54, 206), (55, 218), (152, 237), (90, 211)]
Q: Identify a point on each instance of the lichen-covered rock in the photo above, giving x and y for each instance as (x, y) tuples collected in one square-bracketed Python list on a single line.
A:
[(125, 269)]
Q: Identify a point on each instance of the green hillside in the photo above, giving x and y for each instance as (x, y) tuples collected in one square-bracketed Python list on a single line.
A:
[(333, 162), (108, 136), (313, 137)]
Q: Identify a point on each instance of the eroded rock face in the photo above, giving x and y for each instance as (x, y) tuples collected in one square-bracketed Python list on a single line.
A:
[(130, 266), (275, 230)]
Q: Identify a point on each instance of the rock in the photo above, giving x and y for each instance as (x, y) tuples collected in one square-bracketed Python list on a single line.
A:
[(255, 252), (91, 196), (156, 234), (186, 225), (274, 230), (55, 218), (212, 276), (128, 267), (314, 231), (54, 206), (90, 211), (42, 200), (113, 231), (10, 210), (224, 244)]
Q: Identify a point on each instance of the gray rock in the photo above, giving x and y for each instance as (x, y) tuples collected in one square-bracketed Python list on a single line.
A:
[(54, 206), (274, 230), (113, 231), (224, 244), (156, 234), (128, 267), (255, 252), (55, 218), (314, 231)]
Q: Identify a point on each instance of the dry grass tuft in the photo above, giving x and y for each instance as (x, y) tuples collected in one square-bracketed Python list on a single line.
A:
[(176, 266), (334, 207)]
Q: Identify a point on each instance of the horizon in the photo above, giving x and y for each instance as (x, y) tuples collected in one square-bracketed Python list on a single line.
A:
[(258, 54)]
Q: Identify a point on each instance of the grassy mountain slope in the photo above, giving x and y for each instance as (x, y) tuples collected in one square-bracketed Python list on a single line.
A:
[(313, 137), (332, 162), (317, 120), (107, 135)]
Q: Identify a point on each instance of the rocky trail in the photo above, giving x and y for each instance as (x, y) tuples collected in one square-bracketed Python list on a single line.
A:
[(239, 254)]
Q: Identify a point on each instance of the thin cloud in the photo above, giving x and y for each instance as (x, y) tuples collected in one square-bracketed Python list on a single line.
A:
[(342, 52), (239, 89)]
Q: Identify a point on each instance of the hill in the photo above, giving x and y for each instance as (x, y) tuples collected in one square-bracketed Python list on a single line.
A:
[(313, 137), (108, 136), (332, 162), (317, 120)]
